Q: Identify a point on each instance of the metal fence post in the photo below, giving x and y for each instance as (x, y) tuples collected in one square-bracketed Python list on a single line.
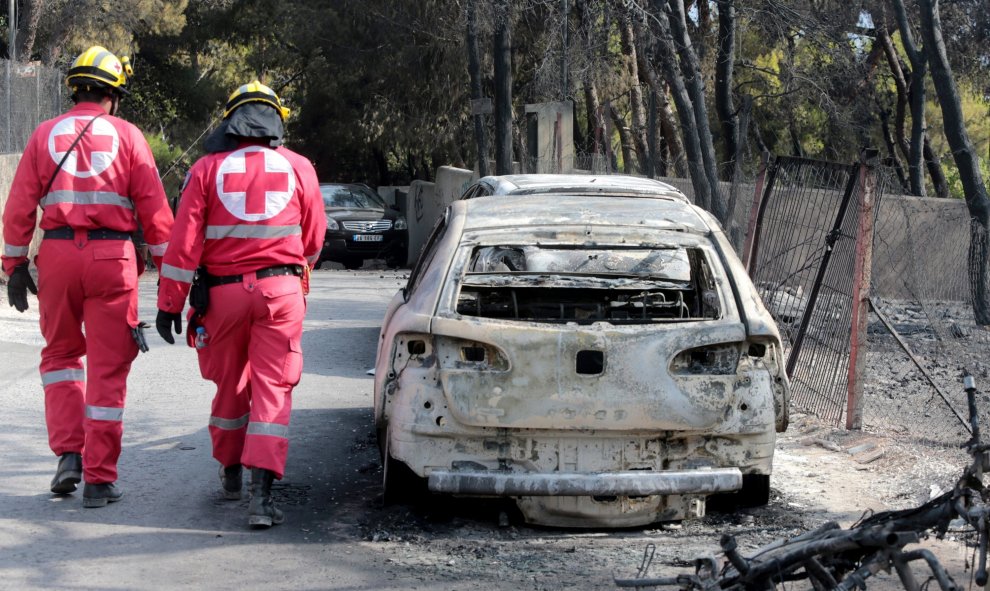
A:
[(754, 211), (862, 273)]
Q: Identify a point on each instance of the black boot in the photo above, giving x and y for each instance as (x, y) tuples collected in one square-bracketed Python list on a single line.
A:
[(262, 511), (68, 474), (231, 480), (98, 495)]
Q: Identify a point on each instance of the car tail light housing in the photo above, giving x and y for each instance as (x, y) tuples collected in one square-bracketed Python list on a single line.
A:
[(716, 359), (455, 353)]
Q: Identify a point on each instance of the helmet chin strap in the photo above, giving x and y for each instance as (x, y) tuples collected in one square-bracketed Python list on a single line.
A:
[(114, 104)]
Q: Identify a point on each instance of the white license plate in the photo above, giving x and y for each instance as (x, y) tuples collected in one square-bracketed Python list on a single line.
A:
[(367, 238)]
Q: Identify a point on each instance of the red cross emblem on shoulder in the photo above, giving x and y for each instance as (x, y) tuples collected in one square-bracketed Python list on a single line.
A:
[(255, 183), (92, 154)]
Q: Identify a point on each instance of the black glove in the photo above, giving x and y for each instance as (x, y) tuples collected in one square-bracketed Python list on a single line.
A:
[(18, 285), (164, 324), (138, 333)]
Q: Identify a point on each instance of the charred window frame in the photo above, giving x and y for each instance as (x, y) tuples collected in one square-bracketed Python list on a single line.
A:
[(426, 255), (516, 292), (479, 190)]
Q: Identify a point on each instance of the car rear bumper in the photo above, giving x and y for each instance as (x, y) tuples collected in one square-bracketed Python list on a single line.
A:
[(635, 483)]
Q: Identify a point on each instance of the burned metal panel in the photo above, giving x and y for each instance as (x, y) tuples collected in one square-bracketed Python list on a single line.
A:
[(541, 387), (512, 211)]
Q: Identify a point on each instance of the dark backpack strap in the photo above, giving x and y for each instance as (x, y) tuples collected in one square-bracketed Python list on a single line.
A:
[(66, 156)]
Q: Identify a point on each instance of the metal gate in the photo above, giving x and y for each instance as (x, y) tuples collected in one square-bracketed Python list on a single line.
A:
[(802, 260)]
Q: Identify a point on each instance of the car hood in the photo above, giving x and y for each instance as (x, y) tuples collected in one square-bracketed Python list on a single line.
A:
[(343, 213)]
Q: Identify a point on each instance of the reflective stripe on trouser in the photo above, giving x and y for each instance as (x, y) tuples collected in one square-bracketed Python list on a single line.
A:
[(254, 357), (95, 283)]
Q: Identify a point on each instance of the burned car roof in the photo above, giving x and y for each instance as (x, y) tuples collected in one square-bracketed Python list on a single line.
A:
[(530, 210), (577, 184)]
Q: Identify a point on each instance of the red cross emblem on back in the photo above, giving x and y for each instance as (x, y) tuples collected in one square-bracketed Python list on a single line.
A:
[(255, 183), (92, 154)]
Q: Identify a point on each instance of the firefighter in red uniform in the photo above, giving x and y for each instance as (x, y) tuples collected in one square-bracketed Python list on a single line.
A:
[(249, 228), (90, 173)]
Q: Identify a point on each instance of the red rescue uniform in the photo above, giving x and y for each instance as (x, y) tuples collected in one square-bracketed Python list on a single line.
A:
[(87, 269), (253, 218)]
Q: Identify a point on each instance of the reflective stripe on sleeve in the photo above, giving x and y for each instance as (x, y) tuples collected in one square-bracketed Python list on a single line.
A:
[(11, 250), (62, 375), (246, 231), (183, 275), (158, 250), (229, 424), (273, 429), (87, 198), (104, 413)]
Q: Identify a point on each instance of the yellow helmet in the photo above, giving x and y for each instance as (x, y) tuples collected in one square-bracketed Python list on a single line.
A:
[(254, 92), (98, 67)]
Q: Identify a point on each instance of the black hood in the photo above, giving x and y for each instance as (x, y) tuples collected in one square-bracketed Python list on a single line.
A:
[(251, 120)]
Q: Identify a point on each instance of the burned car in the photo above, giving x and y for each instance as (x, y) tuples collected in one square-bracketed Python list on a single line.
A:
[(615, 185), (602, 361)]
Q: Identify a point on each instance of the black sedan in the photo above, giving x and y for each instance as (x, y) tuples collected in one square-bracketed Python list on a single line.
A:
[(361, 226)]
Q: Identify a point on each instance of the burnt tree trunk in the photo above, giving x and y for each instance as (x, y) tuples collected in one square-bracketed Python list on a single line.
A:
[(638, 110), (934, 164), (900, 84), (932, 161), (474, 69), (594, 32), (694, 82), (667, 58), (625, 141), (665, 113), (29, 28), (977, 199), (724, 65), (503, 88), (892, 159), (916, 98)]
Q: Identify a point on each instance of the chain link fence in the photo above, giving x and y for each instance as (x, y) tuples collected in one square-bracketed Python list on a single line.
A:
[(923, 334), (30, 94)]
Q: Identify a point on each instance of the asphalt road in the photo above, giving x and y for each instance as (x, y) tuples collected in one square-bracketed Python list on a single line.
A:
[(172, 529)]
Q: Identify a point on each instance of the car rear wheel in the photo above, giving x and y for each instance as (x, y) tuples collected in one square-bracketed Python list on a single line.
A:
[(400, 485), (755, 492)]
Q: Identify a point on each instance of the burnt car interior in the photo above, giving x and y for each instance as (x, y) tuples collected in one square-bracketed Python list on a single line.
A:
[(586, 284)]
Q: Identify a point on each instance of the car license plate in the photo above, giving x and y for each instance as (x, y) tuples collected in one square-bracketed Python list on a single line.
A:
[(367, 238)]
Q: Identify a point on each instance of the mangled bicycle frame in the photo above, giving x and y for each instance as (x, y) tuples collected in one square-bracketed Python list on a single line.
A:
[(833, 558)]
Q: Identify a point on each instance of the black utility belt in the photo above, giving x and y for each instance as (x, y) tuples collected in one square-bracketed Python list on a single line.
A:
[(215, 280), (67, 233)]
